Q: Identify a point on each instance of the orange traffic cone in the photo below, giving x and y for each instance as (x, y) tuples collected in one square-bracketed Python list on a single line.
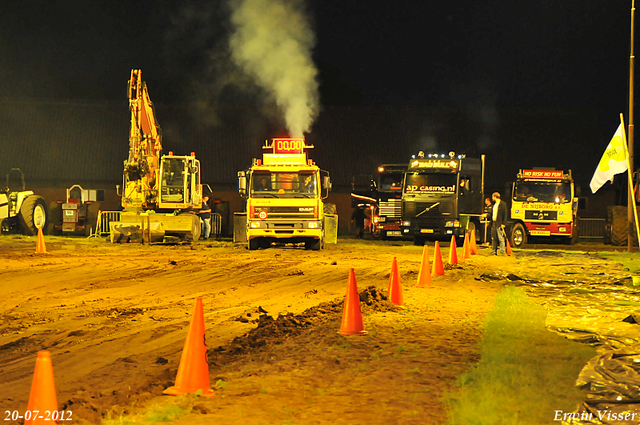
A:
[(466, 252), (508, 246), (395, 287), (474, 246), (193, 372), (453, 251), (424, 276), (43, 396), (40, 246), (351, 314), (438, 268)]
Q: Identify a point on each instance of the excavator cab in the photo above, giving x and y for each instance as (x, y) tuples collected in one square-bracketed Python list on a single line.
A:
[(180, 186)]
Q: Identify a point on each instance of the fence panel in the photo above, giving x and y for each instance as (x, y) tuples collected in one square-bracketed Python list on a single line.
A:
[(591, 228)]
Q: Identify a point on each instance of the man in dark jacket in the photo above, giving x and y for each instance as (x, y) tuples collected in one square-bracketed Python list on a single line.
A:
[(205, 216), (498, 222)]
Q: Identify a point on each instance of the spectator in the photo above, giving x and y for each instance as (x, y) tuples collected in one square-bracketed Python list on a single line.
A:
[(358, 217), (205, 216), (498, 222)]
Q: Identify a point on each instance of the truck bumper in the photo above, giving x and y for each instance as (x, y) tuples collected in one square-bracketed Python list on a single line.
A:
[(303, 230), (549, 229), (437, 232)]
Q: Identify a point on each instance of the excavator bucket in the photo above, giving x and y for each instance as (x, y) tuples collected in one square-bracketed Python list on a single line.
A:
[(158, 228)]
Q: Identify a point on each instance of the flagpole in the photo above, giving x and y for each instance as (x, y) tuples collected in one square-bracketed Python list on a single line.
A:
[(633, 203), (631, 200)]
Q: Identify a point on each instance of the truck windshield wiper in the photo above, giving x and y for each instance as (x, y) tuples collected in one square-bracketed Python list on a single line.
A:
[(303, 195), (428, 208), (265, 195)]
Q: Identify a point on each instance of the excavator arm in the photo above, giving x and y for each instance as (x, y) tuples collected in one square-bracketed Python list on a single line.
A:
[(145, 137)]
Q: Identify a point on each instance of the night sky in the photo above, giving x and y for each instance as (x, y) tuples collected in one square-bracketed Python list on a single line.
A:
[(489, 54)]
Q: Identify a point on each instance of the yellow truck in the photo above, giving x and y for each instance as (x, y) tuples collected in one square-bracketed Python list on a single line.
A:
[(543, 205), (284, 193)]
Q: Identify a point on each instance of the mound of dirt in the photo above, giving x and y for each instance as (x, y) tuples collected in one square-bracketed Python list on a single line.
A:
[(275, 331)]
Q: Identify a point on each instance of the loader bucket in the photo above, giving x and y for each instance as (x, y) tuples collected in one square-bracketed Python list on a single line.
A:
[(156, 228)]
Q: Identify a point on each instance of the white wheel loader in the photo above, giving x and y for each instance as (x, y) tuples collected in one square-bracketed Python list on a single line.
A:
[(21, 211)]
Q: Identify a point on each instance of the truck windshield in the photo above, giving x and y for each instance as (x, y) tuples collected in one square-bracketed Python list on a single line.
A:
[(430, 183), (557, 193), (279, 184), (173, 171), (390, 182)]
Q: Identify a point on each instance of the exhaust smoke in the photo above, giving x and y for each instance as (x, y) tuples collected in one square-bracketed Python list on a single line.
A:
[(272, 42)]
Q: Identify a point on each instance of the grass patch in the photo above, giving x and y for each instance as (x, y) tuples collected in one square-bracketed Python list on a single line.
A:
[(629, 260), (167, 411), (525, 372)]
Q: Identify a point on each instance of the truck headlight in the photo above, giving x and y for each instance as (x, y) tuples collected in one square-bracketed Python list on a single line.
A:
[(452, 223), (313, 225), (406, 223), (254, 224)]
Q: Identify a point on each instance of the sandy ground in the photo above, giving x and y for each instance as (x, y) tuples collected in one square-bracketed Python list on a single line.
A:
[(114, 318)]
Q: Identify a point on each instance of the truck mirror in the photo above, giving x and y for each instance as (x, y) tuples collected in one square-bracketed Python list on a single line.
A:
[(327, 182), (242, 183)]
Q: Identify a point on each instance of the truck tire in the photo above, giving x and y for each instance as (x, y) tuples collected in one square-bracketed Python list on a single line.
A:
[(330, 209), (315, 244), (254, 244), (575, 235), (518, 237), (619, 225), (32, 210), (471, 228)]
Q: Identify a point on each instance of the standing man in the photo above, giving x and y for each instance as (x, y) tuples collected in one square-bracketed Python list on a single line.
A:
[(358, 217), (498, 222), (486, 218), (205, 216)]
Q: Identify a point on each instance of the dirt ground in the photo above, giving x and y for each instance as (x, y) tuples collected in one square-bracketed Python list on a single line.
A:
[(114, 318)]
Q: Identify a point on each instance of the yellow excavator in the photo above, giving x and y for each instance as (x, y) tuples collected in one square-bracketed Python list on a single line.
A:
[(160, 193)]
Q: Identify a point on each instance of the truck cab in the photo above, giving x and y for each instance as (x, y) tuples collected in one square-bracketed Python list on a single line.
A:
[(441, 196), (388, 217), (543, 204), (284, 194)]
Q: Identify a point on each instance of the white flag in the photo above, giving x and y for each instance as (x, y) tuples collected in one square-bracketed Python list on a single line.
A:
[(613, 161)]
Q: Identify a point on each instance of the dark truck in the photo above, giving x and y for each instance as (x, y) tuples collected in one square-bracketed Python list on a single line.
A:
[(388, 214), (381, 199), (442, 196)]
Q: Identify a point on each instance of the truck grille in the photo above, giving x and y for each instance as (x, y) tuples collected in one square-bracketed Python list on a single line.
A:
[(304, 213), (540, 215), (391, 208), (429, 218)]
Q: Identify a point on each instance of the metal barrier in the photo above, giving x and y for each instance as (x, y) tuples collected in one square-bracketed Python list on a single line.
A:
[(102, 223), (591, 228), (216, 224)]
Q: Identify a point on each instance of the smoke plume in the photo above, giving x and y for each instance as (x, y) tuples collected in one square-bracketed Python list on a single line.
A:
[(273, 41)]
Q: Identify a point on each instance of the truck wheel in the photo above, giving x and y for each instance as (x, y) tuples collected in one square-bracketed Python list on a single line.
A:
[(619, 225), (472, 228), (32, 211), (518, 236), (575, 235), (314, 244), (254, 244), (330, 209)]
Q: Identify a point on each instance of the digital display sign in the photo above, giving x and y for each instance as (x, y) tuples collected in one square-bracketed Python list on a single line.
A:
[(288, 146), (434, 163), (542, 174)]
